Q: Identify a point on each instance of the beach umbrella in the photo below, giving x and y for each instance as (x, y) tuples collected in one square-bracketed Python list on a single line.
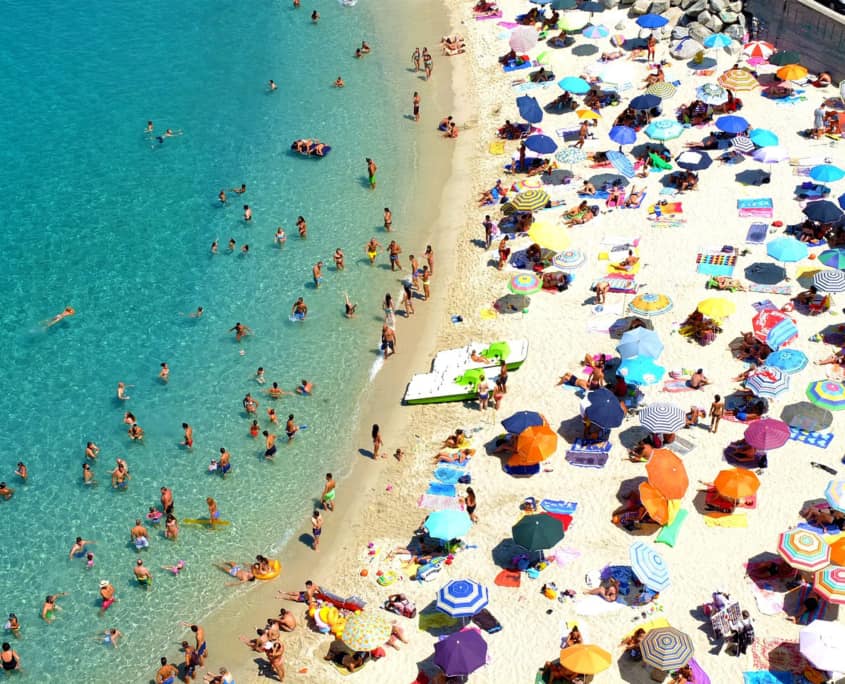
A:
[(571, 155), (667, 474), (549, 236), (448, 524), (784, 57), (787, 249), (822, 211), (830, 584), (649, 567), (770, 155), (604, 409), (573, 21), (738, 79), (460, 598), (763, 137), (623, 135), (651, 21), (787, 360), (823, 644), (717, 40), (574, 84), (758, 48), (366, 630), (585, 659), (542, 144), (530, 200), (522, 420), (588, 114), (692, 160), (837, 552), (662, 418), (743, 144), (641, 370), (765, 273), (529, 109), (774, 327), (655, 503), (767, 433), (644, 102), (711, 94), (792, 72), (523, 38), (835, 494), (569, 259), (591, 6), (534, 445), (804, 550), (828, 394), (834, 258), (718, 308), (461, 653), (826, 173), (595, 31), (732, 124), (664, 129), (666, 648), (525, 283), (829, 281), (767, 382), (662, 89), (650, 304), (736, 483), (558, 4), (536, 532), (621, 163), (807, 416), (640, 342)]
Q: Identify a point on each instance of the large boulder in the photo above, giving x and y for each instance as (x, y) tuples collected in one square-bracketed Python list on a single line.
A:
[(675, 3), (703, 17), (679, 32), (695, 7), (658, 6), (735, 6), (736, 31), (717, 6), (674, 15), (640, 7), (715, 24), (611, 4), (698, 31), (686, 3), (728, 17)]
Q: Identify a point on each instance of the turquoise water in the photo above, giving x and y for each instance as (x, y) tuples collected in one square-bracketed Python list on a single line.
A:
[(99, 216)]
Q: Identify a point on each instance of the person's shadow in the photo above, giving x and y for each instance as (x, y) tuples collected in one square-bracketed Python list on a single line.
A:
[(306, 539), (367, 453)]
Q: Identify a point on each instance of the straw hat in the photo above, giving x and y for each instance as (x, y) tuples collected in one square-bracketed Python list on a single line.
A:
[(104, 584)]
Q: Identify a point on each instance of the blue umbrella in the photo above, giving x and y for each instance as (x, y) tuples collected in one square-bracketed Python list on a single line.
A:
[(841, 201), (641, 370), (643, 102), (717, 40), (529, 109), (826, 173), (591, 7), (542, 144), (652, 21), (521, 421), (834, 258), (693, 160), (763, 138), (732, 124), (462, 598), (664, 129), (604, 409), (788, 360), (461, 653), (595, 31), (574, 84), (621, 163), (787, 249), (649, 566), (623, 135), (822, 211), (448, 524), (640, 342)]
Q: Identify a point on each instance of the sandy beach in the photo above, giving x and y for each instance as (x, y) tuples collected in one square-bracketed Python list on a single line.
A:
[(378, 505)]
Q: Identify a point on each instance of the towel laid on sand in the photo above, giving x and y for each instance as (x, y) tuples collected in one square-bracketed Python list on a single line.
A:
[(441, 489), (766, 677), (715, 519), (768, 602), (761, 206), (817, 439), (439, 503), (827, 529), (770, 289), (756, 234), (778, 655)]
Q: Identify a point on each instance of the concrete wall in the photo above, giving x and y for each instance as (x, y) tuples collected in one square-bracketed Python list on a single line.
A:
[(814, 31)]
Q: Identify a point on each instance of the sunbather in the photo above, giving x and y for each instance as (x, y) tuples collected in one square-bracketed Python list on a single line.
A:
[(805, 296), (682, 676), (726, 283), (838, 357), (456, 440), (741, 451), (634, 197), (610, 56), (609, 592), (570, 380), (632, 644), (640, 452), (588, 189), (628, 263), (820, 515), (541, 76)]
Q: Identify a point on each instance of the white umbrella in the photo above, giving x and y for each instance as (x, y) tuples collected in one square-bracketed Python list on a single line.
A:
[(770, 155), (523, 39), (823, 644)]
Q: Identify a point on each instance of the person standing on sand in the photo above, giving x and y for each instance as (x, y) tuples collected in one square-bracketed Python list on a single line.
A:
[(371, 173), (377, 441), (316, 529), (407, 298), (415, 59), (416, 106), (429, 257), (327, 497), (504, 253), (388, 341), (717, 410)]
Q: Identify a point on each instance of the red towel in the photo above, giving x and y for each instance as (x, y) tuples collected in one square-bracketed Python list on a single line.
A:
[(508, 578)]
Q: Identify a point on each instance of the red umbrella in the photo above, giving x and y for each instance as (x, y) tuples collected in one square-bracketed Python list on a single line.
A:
[(767, 433)]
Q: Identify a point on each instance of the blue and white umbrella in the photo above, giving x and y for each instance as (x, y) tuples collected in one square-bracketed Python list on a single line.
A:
[(623, 135), (662, 418), (651, 21), (541, 144), (787, 249), (595, 31), (826, 173), (711, 94), (788, 360), (462, 598), (768, 382), (763, 138), (641, 370), (732, 124), (664, 129), (717, 40), (621, 163), (574, 85), (649, 566), (640, 342), (829, 281)]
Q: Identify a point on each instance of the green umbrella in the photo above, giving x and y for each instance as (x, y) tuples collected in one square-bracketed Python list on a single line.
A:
[(785, 57), (535, 532)]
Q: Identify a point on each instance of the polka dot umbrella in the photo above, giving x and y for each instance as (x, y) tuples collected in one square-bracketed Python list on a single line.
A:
[(365, 631)]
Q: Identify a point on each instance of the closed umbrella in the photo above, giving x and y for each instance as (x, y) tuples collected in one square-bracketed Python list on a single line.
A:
[(835, 258), (807, 416), (651, 21), (736, 483), (569, 259), (585, 659), (835, 494), (666, 648), (649, 567), (641, 370), (792, 72), (738, 80), (787, 360), (784, 57), (767, 382), (525, 283), (621, 163), (662, 418), (830, 584), (549, 236), (523, 38), (718, 308), (763, 137), (828, 394), (533, 445), (787, 249), (667, 474), (529, 109), (650, 304), (542, 144), (461, 653), (522, 420), (623, 135), (692, 160), (461, 598), (644, 102), (640, 342), (826, 173), (530, 200), (829, 281), (743, 144), (822, 211), (758, 48), (448, 525), (595, 31), (664, 129), (574, 84), (536, 532), (770, 155), (711, 94), (804, 550), (366, 630), (823, 644), (655, 503), (663, 89), (767, 434), (732, 124)]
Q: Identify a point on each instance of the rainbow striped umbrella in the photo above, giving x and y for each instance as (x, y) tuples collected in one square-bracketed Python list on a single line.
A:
[(835, 494), (804, 550), (525, 283), (830, 584), (828, 394)]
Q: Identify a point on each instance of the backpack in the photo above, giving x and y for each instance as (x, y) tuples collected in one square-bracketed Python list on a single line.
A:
[(401, 605)]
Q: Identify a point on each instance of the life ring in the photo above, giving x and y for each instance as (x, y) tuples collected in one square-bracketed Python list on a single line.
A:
[(275, 569)]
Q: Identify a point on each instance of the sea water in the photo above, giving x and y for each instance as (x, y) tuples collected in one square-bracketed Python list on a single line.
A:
[(98, 215)]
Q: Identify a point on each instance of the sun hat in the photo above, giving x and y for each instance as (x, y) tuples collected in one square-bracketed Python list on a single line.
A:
[(104, 583)]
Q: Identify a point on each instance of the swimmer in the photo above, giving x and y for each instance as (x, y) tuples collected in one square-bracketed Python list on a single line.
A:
[(175, 569), (87, 475), (272, 85), (280, 238), (135, 432), (349, 307), (78, 548), (120, 477), (315, 17), (299, 310), (13, 625), (213, 511), (232, 245), (269, 445), (276, 392), (240, 331), (149, 128), (171, 529), (317, 274), (21, 471), (339, 82), (128, 419), (140, 536), (121, 391), (69, 311), (244, 250), (338, 259), (259, 376), (164, 373), (143, 574), (5, 491), (222, 196), (189, 436), (393, 252), (372, 250), (271, 415), (89, 560), (250, 404), (388, 219), (247, 213), (166, 500), (196, 314), (154, 515), (371, 173), (255, 429), (365, 48), (302, 227), (224, 465), (109, 637), (241, 190), (106, 595), (235, 570), (291, 428), (214, 247), (305, 388), (48, 610)]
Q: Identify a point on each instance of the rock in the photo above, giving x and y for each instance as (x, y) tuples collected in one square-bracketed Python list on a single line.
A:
[(715, 24), (728, 17), (658, 6), (611, 4), (735, 6), (694, 7), (698, 31), (679, 32), (675, 3), (703, 17), (735, 31), (717, 6), (640, 7), (674, 15), (686, 3)]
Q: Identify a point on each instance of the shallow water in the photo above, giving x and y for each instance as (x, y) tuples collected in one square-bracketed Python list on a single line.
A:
[(100, 216)]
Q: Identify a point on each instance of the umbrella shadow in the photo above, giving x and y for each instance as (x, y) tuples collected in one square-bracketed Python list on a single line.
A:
[(630, 437), (585, 50), (628, 488), (571, 428), (503, 553), (623, 325), (765, 274), (753, 177), (602, 179), (436, 622), (706, 63), (646, 148)]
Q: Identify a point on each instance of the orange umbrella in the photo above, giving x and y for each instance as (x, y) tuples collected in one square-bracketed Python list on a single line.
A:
[(736, 483), (667, 474), (792, 72), (533, 445), (585, 658), (837, 552), (655, 503)]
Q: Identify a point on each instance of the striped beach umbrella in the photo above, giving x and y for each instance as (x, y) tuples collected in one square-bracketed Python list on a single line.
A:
[(667, 474), (767, 433), (663, 89), (835, 494), (767, 382), (743, 144), (641, 370), (830, 584), (366, 630), (621, 163), (759, 49), (711, 94), (530, 200), (662, 418), (828, 394), (835, 258), (738, 80), (650, 304), (664, 129), (585, 659), (717, 40), (666, 648), (649, 566), (829, 281), (462, 598), (804, 550), (525, 283), (569, 259), (774, 327)]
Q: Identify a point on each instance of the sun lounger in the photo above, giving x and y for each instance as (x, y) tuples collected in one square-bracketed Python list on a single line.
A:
[(588, 454), (762, 207), (669, 533)]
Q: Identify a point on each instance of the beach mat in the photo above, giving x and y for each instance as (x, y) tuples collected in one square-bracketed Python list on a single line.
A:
[(821, 440), (508, 578), (768, 602), (756, 234), (715, 263), (448, 474), (669, 533), (439, 503), (762, 207), (677, 385), (559, 506), (565, 519), (441, 489), (699, 676), (770, 289), (716, 519), (680, 446), (777, 655), (497, 147), (766, 677)]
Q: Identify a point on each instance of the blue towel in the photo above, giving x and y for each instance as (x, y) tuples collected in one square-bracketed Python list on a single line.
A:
[(756, 234), (755, 203), (558, 506), (829, 529), (448, 474), (600, 194), (816, 439), (767, 677), (440, 489), (522, 470)]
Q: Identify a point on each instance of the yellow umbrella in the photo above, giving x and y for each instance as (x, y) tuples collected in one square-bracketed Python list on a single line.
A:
[(585, 659), (549, 236), (587, 114), (716, 307), (792, 72)]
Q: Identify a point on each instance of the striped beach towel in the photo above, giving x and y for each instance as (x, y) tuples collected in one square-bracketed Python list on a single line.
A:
[(715, 263), (761, 206)]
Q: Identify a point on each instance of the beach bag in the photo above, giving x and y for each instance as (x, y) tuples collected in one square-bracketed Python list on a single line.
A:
[(400, 605)]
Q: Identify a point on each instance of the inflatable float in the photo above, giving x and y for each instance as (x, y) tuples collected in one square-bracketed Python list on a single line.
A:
[(328, 619), (275, 569), (305, 147)]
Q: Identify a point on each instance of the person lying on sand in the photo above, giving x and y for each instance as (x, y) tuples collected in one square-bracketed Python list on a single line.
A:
[(456, 441), (609, 592), (456, 457), (570, 380)]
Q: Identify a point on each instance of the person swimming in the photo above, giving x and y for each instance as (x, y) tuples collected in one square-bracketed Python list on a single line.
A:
[(68, 311), (305, 387)]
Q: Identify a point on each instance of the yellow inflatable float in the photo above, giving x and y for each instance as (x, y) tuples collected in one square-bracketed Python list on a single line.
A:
[(275, 569), (328, 619)]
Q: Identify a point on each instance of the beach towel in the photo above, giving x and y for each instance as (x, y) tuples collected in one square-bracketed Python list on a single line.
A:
[(762, 207), (567, 134), (801, 170), (487, 621), (493, 15), (777, 655), (436, 621), (766, 677), (715, 263), (768, 602), (497, 147), (441, 489), (699, 676), (522, 471), (600, 195), (763, 305), (770, 289), (529, 85), (669, 533), (827, 529), (565, 519), (819, 612), (563, 556), (449, 474), (715, 519), (595, 605), (439, 503), (821, 440), (756, 234), (667, 209), (619, 283), (559, 506), (508, 578), (677, 385), (513, 66), (587, 454)]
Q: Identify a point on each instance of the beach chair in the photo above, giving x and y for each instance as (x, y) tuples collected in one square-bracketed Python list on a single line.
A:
[(819, 304)]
